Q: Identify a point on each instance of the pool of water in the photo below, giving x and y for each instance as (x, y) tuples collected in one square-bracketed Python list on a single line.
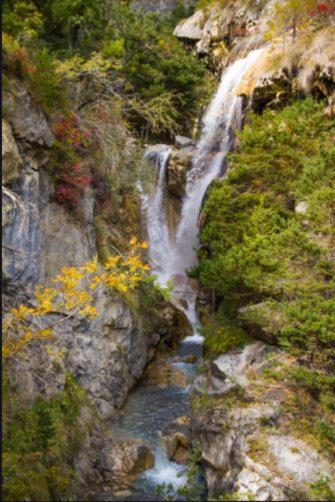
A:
[(147, 412)]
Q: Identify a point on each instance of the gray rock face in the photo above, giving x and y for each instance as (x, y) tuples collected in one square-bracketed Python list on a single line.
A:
[(21, 235), (246, 447), (11, 160), (106, 354), (222, 435), (28, 121), (258, 481)]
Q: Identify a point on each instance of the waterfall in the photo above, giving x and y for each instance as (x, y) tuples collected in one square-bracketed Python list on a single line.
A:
[(224, 115), (158, 233), (170, 256)]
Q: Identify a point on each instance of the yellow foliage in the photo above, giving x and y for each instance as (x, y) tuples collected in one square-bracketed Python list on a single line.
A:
[(73, 293)]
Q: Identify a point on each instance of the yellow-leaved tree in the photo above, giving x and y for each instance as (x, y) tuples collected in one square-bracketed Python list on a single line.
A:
[(72, 293)]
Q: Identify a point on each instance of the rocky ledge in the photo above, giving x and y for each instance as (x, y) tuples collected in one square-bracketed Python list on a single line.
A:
[(248, 444)]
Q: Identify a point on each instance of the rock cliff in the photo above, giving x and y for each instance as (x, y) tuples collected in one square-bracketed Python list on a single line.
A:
[(106, 355)]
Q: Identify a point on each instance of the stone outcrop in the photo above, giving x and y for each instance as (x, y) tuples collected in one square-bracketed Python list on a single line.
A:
[(11, 159), (191, 28), (247, 445)]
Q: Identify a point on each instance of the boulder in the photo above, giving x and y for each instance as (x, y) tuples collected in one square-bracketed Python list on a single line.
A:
[(121, 462), (191, 28), (235, 365), (183, 141), (176, 439), (231, 370), (11, 159), (161, 373)]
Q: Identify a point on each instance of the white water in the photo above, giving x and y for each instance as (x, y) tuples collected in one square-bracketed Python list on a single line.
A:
[(173, 254)]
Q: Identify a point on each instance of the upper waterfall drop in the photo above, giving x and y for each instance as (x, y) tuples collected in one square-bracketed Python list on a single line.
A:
[(171, 255), (223, 116)]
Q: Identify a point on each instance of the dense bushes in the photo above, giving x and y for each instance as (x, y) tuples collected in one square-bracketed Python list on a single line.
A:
[(269, 236), (39, 443), (141, 57)]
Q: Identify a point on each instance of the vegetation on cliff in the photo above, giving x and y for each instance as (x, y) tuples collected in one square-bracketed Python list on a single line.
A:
[(268, 244)]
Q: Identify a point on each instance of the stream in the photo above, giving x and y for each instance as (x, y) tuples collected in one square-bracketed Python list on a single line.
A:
[(149, 409)]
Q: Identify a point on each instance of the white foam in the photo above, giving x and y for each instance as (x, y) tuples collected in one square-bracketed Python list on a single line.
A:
[(168, 473)]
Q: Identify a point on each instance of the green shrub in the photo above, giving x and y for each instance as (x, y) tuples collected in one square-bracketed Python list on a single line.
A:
[(39, 444), (264, 251), (321, 490)]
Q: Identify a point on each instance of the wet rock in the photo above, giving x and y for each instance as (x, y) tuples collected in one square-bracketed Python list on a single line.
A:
[(153, 151), (11, 160), (176, 439), (139, 458), (120, 463), (181, 455), (161, 373), (179, 165), (191, 28), (189, 359)]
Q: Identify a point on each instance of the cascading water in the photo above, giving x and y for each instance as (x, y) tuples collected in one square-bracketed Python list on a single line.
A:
[(149, 409), (224, 115)]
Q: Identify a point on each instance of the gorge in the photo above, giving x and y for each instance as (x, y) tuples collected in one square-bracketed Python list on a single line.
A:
[(168, 250)]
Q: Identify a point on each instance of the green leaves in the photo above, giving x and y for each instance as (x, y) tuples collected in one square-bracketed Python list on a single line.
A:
[(258, 247)]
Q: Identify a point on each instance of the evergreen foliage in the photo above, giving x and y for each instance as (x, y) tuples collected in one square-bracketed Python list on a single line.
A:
[(40, 441), (260, 249)]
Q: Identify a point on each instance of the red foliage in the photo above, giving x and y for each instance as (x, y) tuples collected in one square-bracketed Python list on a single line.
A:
[(67, 130), (323, 9), (73, 178)]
